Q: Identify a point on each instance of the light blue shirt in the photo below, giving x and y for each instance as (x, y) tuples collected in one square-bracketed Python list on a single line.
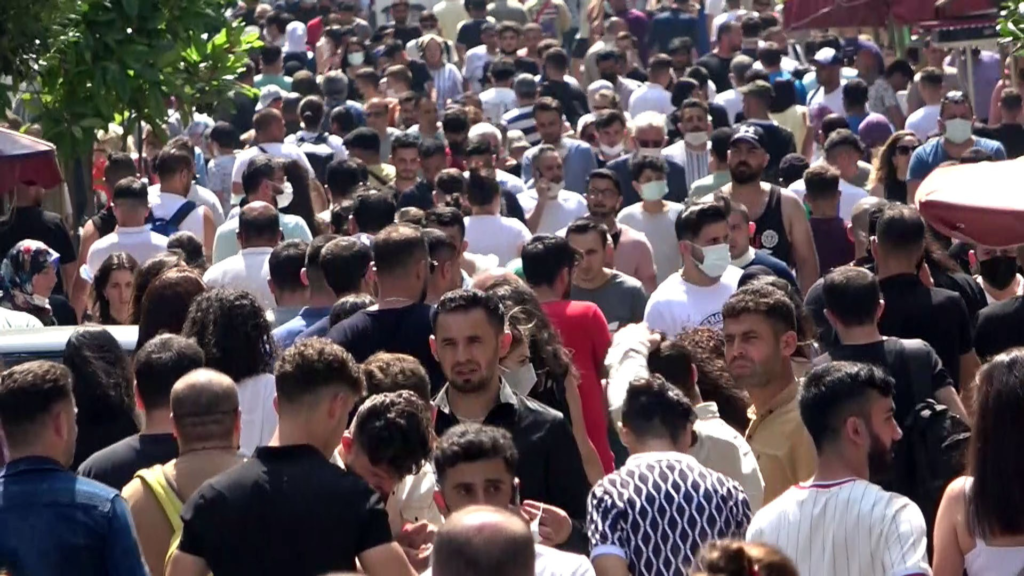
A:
[(225, 243), (577, 164)]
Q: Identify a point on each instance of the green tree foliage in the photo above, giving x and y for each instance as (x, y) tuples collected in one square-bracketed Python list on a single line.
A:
[(1011, 25), (25, 29)]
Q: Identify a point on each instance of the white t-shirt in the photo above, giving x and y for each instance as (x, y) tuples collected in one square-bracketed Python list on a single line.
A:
[(651, 97), (200, 195), (558, 213), (256, 403), (924, 121), (677, 305), (473, 71), (248, 270), (660, 229), (724, 17), (275, 149), (849, 527), (848, 197), (497, 235), (497, 101), (833, 100), (165, 204), (138, 241), (732, 101)]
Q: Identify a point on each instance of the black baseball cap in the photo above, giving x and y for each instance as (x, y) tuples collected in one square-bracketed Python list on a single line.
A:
[(749, 133)]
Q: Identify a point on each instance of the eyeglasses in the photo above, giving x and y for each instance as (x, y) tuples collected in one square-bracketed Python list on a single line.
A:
[(906, 149), (598, 193)]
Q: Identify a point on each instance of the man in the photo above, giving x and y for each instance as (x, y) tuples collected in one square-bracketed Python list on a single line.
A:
[(444, 256), (500, 98), (1010, 131), (269, 140), (693, 151), (481, 155), (611, 29), (478, 57), (477, 464), (157, 366), (924, 121), (781, 226), (259, 231), (828, 64), (913, 309), (771, 57), (131, 206), (364, 144), (853, 306), (760, 338), (347, 17), (612, 136), (346, 265), (405, 157), (650, 136), (521, 118), (507, 11), (881, 97), (680, 49), (610, 62), (778, 140), (621, 298), (377, 111), (997, 272), (632, 252), (548, 263), (549, 206), (450, 14), (198, 192), (743, 255), (728, 41), (553, 17), (824, 198), (470, 30), (855, 105), (52, 521), (400, 322), (628, 510), (694, 296), (655, 216), (576, 155), (654, 96), (455, 126), (935, 56), (272, 65), (679, 21), (321, 295), (171, 208), (718, 167), (285, 265), (484, 540), (469, 339), (848, 411), (326, 517), (206, 421), (842, 151), (404, 32), (558, 84), (533, 34), (486, 230)]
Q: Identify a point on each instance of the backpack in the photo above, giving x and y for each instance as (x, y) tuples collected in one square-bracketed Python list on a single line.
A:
[(318, 152), (155, 479), (168, 226)]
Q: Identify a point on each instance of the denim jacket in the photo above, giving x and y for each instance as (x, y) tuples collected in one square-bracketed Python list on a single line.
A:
[(54, 523)]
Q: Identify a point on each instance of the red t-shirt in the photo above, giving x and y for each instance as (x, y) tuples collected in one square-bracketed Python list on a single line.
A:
[(585, 335)]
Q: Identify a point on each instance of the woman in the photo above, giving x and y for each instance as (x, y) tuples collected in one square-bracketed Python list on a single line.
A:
[(980, 524), (353, 58), (446, 77), (889, 177), (103, 390), (734, 558), (301, 204), (166, 304), (232, 329), (146, 274), (112, 289), (28, 275), (787, 113)]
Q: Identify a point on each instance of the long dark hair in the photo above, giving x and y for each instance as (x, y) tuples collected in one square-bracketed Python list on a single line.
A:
[(302, 200), (113, 263), (166, 304), (995, 505), (103, 382), (232, 329), (885, 170), (146, 274)]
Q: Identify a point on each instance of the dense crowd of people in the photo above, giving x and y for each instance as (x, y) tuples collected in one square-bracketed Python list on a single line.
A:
[(618, 288)]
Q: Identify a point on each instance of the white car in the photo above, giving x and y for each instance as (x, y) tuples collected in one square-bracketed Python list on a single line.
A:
[(25, 345)]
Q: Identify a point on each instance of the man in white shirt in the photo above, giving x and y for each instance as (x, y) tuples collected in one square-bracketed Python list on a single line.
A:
[(653, 96), (479, 56), (500, 98), (842, 151), (131, 206), (925, 120), (694, 150), (694, 296), (733, 11), (839, 523), (828, 72), (268, 125), (199, 194), (549, 207), (486, 230), (170, 209), (731, 99), (654, 216), (259, 231)]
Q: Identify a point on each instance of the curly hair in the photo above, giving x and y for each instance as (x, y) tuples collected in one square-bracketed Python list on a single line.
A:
[(232, 329), (394, 430), (707, 347), (113, 263)]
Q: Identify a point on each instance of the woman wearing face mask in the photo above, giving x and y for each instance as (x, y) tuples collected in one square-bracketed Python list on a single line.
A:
[(297, 197), (889, 177), (28, 275), (355, 57)]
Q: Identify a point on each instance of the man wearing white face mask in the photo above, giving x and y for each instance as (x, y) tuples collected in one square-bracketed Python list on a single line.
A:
[(694, 150), (549, 207), (956, 119), (649, 134), (694, 296), (654, 216)]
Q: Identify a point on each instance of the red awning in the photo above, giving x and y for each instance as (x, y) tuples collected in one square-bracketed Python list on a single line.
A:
[(27, 160), (806, 14)]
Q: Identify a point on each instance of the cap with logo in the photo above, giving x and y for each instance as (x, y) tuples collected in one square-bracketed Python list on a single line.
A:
[(750, 134)]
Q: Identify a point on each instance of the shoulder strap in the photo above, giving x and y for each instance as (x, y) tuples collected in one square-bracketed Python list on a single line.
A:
[(377, 177), (917, 362), (181, 213), (170, 502)]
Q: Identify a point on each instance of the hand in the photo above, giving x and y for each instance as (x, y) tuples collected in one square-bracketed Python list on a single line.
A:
[(417, 543), (543, 188), (555, 525)]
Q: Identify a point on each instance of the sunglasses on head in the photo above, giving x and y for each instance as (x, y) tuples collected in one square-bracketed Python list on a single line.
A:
[(955, 97), (906, 149)]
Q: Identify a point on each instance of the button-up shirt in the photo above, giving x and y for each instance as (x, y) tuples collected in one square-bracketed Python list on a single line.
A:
[(54, 522), (784, 450)]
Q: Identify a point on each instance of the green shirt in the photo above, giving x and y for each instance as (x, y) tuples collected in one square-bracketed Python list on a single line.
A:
[(263, 80), (708, 184)]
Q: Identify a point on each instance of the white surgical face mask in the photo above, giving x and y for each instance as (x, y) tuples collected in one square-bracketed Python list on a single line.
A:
[(286, 196), (958, 130), (522, 379), (655, 190), (649, 151), (612, 151), (716, 260), (696, 138), (555, 188), (356, 58)]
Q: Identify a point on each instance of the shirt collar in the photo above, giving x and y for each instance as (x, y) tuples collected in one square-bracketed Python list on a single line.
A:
[(131, 229), (745, 259), (256, 250), (31, 464), (505, 396), (785, 397), (706, 410)]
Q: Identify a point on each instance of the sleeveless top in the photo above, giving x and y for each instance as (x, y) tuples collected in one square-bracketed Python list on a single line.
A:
[(770, 231), (986, 560), (158, 483)]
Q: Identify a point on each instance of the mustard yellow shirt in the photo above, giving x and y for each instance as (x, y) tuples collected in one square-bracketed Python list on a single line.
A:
[(784, 450)]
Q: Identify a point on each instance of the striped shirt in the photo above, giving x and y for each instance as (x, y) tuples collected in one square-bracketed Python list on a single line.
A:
[(696, 163), (447, 84), (848, 527), (660, 509), (522, 119)]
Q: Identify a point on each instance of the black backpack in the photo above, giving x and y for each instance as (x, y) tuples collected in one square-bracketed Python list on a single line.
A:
[(318, 152)]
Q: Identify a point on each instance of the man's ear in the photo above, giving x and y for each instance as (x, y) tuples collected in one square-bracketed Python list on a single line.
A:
[(751, 228), (303, 275)]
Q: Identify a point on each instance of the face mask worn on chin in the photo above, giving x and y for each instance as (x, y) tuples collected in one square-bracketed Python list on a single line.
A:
[(716, 260), (554, 188), (521, 379), (696, 138), (652, 191), (958, 130), (286, 196), (356, 58), (612, 151), (648, 152), (999, 271)]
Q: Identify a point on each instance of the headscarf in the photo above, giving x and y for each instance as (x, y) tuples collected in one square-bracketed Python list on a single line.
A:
[(27, 259)]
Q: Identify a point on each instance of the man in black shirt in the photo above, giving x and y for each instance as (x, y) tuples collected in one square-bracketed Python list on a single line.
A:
[(553, 85), (1000, 327), (158, 365), (400, 322), (288, 510), (757, 98), (400, 14), (469, 31), (469, 339), (1010, 131), (729, 41)]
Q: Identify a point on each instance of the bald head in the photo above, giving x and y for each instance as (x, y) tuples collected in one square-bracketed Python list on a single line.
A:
[(484, 540), (483, 280), (860, 222), (204, 409), (614, 25), (258, 226)]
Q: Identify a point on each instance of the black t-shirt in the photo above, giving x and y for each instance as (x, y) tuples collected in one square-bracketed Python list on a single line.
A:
[(116, 464), (1010, 135), (287, 510), (964, 285), (104, 221), (935, 315), (420, 75), (34, 223), (407, 33), (469, 33), (718, 69), (404, 330), (893, 356), (421, 195), (1000, 327), (63, 311)]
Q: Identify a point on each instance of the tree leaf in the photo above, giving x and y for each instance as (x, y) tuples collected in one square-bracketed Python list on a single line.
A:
[(131, 7)]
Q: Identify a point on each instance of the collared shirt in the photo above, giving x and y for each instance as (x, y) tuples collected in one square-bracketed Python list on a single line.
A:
[(247, 270), (53, 522), (784, 450), (721, 448), (225, 243), (286, 333), (696, 162)]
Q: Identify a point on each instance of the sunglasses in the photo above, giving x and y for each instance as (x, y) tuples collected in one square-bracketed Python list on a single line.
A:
[(954, 97), (906, 149)]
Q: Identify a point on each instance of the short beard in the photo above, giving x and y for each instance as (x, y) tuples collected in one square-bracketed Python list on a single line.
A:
[(744, 178), (879, 460), (470, 386)]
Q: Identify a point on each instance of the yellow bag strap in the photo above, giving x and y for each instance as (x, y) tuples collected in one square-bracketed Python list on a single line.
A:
[(169, 501)]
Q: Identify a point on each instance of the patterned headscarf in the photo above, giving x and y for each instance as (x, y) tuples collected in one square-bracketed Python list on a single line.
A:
[(27, 259)]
